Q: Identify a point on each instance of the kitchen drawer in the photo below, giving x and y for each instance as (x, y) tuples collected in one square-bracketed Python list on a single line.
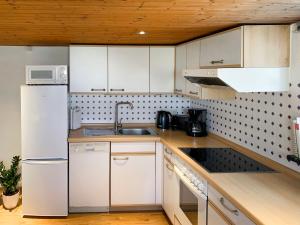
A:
[(227, 208), (133, 147)]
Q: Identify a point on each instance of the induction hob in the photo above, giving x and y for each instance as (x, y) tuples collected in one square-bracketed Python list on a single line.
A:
[(224, 160)]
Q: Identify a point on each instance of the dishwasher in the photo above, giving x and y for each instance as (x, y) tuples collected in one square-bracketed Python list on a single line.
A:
[(89, 165)]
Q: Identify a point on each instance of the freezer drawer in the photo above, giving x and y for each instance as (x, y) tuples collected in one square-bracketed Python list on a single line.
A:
[(45, 187)]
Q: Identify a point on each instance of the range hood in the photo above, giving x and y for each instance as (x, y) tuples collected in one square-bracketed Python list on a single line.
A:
[(241, 79)]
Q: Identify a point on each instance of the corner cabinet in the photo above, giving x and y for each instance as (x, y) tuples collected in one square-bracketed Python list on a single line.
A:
[(162, 63), (88, 68), (180, 66), (128, 69)]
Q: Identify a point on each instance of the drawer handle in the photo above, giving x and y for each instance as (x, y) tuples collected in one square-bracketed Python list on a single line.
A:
[(125, 158), (117, 89), (178, 90), (217, 61), (100, 89), (168, 152), (193, 93), (169, 167), (234, 211), (90, 149)]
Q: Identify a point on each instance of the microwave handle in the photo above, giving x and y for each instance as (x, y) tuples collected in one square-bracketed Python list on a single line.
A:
[(198, 193)]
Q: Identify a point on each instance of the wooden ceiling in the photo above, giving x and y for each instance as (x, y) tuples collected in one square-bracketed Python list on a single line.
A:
[(60, 22)]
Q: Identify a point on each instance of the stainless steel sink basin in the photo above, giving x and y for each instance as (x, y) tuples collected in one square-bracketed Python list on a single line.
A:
[(97, 132), (136, 131)]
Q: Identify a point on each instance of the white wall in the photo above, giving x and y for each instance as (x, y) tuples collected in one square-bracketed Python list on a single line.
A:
[(12, 74)]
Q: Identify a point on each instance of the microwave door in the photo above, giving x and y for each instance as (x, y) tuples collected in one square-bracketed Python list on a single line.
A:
[(41, 75)]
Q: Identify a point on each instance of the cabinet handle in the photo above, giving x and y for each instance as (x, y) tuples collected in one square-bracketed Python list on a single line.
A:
[(217, 61), (168, 152), (125, 158), (117, 89), (98, 89), (170, 168), (178, 90), (193, 93), (90, 149), (234, 211)]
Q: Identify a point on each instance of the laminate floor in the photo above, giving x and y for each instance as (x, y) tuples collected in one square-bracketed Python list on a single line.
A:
[(14, 217)]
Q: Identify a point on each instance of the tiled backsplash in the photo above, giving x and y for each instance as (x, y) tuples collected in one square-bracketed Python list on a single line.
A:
[(261, 122), (100, 108)]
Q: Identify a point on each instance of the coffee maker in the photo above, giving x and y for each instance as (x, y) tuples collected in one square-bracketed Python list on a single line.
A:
[(197, 123)]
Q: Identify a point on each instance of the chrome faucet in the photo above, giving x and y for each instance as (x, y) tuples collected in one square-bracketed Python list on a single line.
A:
[(118, 124)]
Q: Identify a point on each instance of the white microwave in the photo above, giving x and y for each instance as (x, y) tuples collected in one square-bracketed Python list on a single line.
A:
[(48, 74)]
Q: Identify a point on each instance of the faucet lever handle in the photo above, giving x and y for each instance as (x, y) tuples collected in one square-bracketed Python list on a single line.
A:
[(120, 123)]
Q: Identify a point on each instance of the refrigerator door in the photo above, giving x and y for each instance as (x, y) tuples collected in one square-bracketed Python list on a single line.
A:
[(45, 187), (44, 121)]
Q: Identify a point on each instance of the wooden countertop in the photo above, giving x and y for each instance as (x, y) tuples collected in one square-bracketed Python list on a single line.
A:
[(266, 198)]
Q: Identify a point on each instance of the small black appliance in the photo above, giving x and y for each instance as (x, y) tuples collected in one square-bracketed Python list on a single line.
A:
[(180, 122), (163, 120), (197, 123)]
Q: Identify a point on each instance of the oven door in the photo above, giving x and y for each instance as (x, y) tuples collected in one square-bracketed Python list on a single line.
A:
[(192, 205), (40, 75)]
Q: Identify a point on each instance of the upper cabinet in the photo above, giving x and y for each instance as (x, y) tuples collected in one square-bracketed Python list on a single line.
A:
[(222, 49), (88, 68), (247, 46), (193, 55), (128, 69), (162, 60), (267, 46), (180, 66)]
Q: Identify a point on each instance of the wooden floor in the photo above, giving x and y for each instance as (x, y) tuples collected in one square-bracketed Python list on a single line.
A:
[(14, 217)]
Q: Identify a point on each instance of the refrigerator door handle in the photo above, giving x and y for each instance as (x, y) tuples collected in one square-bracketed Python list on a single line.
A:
[(44, 162)]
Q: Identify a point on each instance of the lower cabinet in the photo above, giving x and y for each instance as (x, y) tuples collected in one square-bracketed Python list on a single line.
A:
[(227, 209), (132, 174), (170, 190), (215, 217)]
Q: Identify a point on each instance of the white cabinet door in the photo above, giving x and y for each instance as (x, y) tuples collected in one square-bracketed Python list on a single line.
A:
[(193, 55), (192, 89), (128, 69), (162, 60), (215, 217), (170, 190), (88, 194), (88, 68), (180, 66), (224, 49), (133, 179)]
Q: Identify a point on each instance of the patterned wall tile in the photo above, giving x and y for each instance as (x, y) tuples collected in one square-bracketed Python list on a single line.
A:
[(100, 108), (261, 122)]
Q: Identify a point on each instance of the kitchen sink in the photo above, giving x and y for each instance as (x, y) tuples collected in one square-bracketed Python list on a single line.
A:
[(136, 131), (97, 132), (123, 131)]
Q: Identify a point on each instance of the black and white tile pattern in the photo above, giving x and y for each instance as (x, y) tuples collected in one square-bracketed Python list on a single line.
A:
[(261, 122), (100, 108)]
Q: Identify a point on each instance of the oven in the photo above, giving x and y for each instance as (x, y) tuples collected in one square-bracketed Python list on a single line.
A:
[(192, 204)]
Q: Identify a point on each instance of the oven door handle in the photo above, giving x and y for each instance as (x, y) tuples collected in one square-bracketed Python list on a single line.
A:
[(189, 184)]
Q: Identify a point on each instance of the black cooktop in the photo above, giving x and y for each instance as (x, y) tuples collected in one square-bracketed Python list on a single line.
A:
[(224, 160)]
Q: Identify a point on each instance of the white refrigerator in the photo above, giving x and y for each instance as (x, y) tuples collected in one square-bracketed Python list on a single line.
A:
[(44, 131)]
